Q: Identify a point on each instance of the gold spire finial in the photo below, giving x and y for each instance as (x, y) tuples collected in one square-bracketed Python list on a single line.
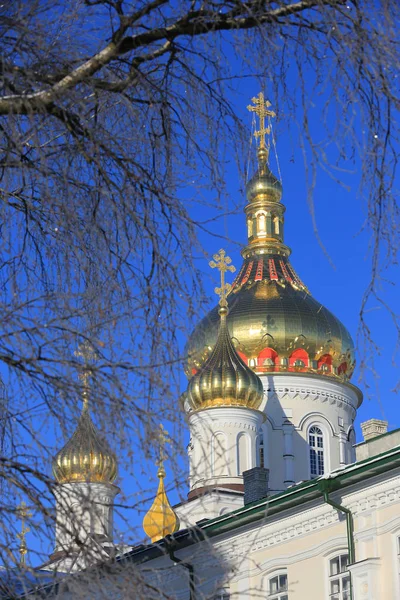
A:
[(161, 519), (24, 514), (87, 352), (222, 262), (163, 439), (261, 108)]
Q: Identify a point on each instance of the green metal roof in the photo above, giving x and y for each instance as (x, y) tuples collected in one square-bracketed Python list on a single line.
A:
[(304, 492)]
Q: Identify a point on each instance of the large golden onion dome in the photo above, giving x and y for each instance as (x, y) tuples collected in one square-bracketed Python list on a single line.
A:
[(274, 322)]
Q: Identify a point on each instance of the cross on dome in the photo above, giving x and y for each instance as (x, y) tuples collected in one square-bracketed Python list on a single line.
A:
[(222, 262), (88, 353), (163, 439), (261, 108), (24, 513)]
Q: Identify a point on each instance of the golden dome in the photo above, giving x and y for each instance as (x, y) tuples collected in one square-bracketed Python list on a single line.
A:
[(224, 379), (263, 185), (274, 322), (161, 519), (85, 457)]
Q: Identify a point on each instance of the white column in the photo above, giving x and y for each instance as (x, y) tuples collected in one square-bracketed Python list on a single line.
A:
[(223, 446), (84, 511), (288, 456)]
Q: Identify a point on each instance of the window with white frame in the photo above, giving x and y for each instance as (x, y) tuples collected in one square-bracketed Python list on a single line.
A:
[(316, 445), (339, 578), (222, 594), (278, 587)]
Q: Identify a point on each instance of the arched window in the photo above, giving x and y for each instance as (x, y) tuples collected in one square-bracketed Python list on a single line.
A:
[(299, 356), (325, 362), (219, 456), (242, 453), (267, 358), (276, 225), (249, 228), (316, 445), (260, 450), (262, 223), (351, 444), (339, 578), (278, 587)]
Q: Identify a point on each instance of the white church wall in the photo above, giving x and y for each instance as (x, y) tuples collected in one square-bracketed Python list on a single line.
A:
[(304, 401), (216, 434), (83, 509)]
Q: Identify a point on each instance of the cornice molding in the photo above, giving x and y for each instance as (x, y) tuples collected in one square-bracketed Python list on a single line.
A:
[(316, 394)]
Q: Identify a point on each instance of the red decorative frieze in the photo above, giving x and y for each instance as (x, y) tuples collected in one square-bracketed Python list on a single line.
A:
[(248, 271), (259, 271), (272, 270)]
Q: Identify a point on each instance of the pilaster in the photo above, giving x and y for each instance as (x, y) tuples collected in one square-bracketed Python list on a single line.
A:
[(365, 579)]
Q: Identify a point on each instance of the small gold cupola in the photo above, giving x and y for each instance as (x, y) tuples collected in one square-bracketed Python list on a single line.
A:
[(264, 211), (86, 457), (224, 379), (161, 519)]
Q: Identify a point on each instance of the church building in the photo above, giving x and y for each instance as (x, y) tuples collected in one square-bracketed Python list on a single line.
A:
[(282, 504)]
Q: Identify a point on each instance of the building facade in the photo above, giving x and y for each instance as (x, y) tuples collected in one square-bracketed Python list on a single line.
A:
[(282, 503)]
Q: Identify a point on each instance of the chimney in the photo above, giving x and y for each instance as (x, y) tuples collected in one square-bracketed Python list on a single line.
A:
[(373, 428), (255, 484)]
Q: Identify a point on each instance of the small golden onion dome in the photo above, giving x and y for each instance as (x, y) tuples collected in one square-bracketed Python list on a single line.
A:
[(224, 379), (263, 185), (86, 457), (161, 519)]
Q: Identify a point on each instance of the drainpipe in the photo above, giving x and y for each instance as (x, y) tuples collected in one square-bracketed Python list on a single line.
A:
[(186, 565), (325, 487)]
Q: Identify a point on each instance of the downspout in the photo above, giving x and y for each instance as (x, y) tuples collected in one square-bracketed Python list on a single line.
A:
[(186, 565), (325, 487)]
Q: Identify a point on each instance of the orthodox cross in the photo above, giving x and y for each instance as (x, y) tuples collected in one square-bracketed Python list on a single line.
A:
[(163, 438), (87, 352), (261, 108), (222, 262), (23, 550)]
